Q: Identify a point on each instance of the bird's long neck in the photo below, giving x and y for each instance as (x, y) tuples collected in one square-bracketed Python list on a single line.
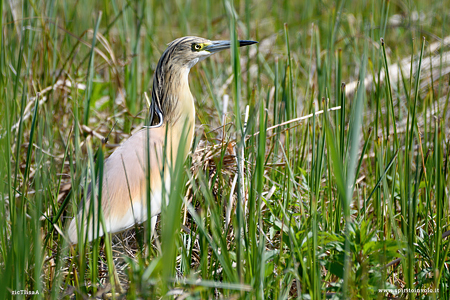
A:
[(172, 96)]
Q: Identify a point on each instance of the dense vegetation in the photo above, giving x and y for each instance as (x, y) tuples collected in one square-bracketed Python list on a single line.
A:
[(347, 198)]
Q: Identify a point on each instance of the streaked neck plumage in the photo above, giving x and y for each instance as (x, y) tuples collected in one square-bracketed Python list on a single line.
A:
[(172, 97)]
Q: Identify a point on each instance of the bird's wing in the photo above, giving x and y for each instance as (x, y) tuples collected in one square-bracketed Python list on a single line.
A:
[(124, 189)]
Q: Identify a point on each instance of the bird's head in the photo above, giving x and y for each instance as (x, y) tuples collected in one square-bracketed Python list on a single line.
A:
[(185, 52), (171, 74)]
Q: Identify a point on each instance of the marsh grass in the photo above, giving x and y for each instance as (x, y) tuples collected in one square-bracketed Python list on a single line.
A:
[(349, 203)]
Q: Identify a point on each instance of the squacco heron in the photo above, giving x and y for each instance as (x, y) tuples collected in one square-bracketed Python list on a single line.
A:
[(172, 115)]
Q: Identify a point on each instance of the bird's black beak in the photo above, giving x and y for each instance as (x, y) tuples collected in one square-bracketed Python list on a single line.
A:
[(243, 43), (216, 46)]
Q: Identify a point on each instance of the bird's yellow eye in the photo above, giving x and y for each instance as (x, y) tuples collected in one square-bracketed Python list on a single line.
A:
[(197, 46)]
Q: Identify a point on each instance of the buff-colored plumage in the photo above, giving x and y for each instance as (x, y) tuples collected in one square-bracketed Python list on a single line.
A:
[(124, 187)]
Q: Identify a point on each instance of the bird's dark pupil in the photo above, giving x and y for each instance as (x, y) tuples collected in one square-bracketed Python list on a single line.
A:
[(197, 46)]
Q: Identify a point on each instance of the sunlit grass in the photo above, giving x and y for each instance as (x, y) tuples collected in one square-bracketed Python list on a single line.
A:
[(350, 202)]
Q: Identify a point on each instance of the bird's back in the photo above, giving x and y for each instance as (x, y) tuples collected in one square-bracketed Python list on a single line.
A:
[(124, 190)]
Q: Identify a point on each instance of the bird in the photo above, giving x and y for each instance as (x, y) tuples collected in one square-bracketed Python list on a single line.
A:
[(170, 128)]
